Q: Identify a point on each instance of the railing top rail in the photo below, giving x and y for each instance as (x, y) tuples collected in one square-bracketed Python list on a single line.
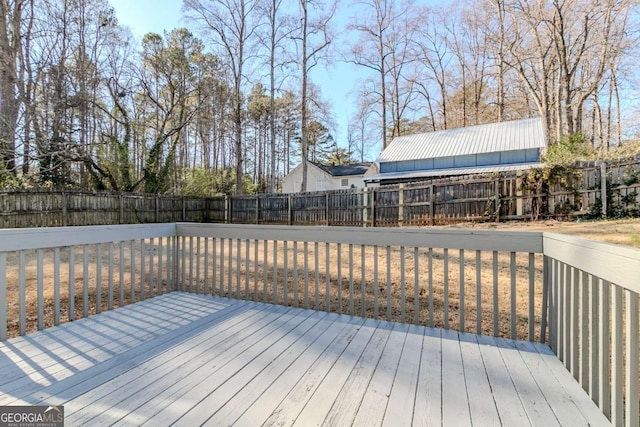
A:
[(17, 239), (615, 263), (417, 237)]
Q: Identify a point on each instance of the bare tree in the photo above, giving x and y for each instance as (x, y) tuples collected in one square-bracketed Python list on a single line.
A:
[(314, 38), (11, 13), (372, 49), (233, 24)]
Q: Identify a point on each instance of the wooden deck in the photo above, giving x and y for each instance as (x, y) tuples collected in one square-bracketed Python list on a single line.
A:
[(187, 360)]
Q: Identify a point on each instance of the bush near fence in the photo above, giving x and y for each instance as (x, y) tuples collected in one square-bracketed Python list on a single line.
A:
[(496, 197)]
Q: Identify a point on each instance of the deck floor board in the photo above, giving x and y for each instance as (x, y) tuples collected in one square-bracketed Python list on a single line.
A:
[(188, 359)]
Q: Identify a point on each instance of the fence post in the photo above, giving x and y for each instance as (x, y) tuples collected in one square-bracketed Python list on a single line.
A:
[(400, 203), (65, 211), (603, 187), (496, 185), (432, 208), (365, 203), (290, 209), (373, 207), (257, 209), (227, 209), (156, 213), (121, 209), (184, 210), (519, 194), (326, 207)]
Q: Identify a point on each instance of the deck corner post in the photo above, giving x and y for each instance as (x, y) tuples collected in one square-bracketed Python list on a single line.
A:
[(546, 298)]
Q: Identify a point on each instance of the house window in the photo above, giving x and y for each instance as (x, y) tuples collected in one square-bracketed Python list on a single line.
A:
[(344, 182)]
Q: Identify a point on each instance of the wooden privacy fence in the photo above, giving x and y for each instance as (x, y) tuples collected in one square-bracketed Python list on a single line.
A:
[(504, 196), (44, 208)]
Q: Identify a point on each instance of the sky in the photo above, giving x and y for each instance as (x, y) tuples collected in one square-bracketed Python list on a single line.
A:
[(337, 81)]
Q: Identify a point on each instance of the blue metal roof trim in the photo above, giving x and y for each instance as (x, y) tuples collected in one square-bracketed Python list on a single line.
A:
[(451, 172)]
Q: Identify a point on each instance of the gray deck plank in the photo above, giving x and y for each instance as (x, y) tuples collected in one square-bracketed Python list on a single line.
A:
[(189, 359), (481, 402), (87, 369), (455, 400), (46, 357), (374, 402), (316, 339), (428, 406), (510, 408), (587, 407), (136, 380), (533, 401), (203, 410), (348, 401), (403, 393), (298, 396), (163, 400), (85, 381), (270, 398), (565, 410), (322, 400)]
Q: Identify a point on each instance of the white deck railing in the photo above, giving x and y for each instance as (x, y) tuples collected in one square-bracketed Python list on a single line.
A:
[(52, 275), (578, 295), (593, 297)]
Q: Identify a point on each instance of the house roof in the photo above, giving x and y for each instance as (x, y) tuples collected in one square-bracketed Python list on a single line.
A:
[(345, 170), (489, 138), (474, 170)]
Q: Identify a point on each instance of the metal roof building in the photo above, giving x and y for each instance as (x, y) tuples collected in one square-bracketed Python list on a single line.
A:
[(496, 147)]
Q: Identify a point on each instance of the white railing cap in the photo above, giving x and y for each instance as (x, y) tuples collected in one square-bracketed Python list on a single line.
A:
[(614, 263), (16, 239), (378, 236)]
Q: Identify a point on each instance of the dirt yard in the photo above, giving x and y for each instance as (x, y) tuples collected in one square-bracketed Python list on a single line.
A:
[(622, 232), (444, 294)]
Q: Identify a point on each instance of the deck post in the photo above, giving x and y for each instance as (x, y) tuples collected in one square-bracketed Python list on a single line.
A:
[(546, 276)]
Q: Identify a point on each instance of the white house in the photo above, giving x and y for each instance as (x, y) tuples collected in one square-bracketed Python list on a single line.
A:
[(496, 147), (321, 177)]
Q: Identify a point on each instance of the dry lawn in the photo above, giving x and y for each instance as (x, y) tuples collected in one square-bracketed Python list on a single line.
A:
[(246, 275)]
